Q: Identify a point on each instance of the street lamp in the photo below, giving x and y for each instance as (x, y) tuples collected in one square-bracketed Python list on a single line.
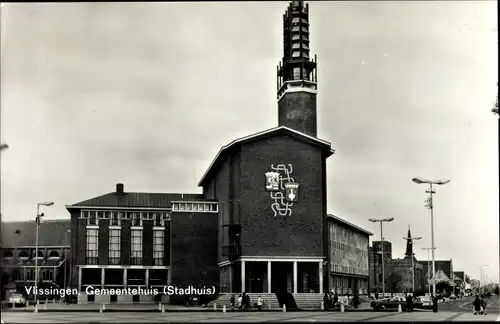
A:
[(412, 240), (481, 269), (381, 221), (430, 205), (66, 256), (3, 147), (38, 221), (428, 267)]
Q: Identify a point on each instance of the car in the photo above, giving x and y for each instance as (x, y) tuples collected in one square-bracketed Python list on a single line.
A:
[(424, 302), (389, 303), (16, 300), (453, 296)]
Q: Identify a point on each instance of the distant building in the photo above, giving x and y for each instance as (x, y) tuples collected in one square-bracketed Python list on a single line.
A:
[(18, 254), (443, 268), (398, 273)]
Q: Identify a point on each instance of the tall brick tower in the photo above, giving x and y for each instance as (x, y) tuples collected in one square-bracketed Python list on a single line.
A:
[(297, 77)]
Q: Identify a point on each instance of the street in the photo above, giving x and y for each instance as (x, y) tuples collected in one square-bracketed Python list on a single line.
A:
[(268, 317)]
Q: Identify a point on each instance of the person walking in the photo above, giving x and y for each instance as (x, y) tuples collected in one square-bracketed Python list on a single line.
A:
[(434, 304), (232, 301), (260, 302), (408, 303), (477, 305), (326, 301), (484, 303)]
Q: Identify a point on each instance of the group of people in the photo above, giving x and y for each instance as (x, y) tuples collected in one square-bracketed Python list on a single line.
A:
[(480, 303), (244, 303), (331, 300)]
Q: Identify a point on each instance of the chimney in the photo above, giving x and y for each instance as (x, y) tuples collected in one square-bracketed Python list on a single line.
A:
[(119, 188)]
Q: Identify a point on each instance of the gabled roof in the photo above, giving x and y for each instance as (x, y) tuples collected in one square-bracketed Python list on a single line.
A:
[(254, 137), (459, 274), (443, 265), (51, 233), (349, 224), (136, 200)]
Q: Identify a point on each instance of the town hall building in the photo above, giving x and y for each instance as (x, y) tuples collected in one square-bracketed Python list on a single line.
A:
[(259, 225)]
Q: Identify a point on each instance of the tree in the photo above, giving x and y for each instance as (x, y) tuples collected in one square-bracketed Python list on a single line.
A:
[(406, 282), (392, 281), (497, 290)]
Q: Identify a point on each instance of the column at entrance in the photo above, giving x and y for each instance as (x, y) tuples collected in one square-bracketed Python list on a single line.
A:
[(295, 277), (103, 274), (243, 276), (79, 278), (269, 276), (320, 277)]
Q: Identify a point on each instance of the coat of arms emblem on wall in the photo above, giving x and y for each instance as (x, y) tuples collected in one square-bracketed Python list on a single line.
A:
[(284, 191)]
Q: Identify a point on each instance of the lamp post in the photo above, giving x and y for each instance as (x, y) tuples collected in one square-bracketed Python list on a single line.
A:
[(481, 270), (66, 257), (430, 205), (38, 221), (381, 221), (412, 239), (428, 267), (3, 147)]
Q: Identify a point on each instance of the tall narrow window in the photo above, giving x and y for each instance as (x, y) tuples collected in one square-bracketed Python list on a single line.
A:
[(158, 247), (92, 246), (136, 248), (114, 246)]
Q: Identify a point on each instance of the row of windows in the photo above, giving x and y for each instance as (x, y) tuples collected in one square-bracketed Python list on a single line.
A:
[(23, 255), (29, 275), (296, 54), (296, 29), (194, 207), (136, 246), (116, 217), (348, 248), (348, 269)]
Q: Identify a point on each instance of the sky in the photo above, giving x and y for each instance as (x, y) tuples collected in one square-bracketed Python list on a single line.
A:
[(93, 94)]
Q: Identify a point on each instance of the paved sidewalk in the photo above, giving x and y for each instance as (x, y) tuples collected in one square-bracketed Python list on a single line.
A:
[(268, 317)]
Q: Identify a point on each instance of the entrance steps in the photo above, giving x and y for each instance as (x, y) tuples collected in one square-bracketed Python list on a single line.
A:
[(308, 300), (270, 300)]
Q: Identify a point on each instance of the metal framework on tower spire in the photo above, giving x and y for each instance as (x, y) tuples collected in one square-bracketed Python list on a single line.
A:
[(296, 67)]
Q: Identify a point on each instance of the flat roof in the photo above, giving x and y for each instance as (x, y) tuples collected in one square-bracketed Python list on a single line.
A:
[(351, 225)]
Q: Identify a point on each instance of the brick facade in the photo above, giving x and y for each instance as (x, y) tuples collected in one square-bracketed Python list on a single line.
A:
[(297, 110)]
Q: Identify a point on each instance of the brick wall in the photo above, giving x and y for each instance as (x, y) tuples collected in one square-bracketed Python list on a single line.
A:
[(302, 233), (103, 243), (147, 240), (297, 110), (194, 252)]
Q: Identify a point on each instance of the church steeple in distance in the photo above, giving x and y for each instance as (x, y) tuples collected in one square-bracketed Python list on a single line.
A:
[(409, 244), (297, 80)]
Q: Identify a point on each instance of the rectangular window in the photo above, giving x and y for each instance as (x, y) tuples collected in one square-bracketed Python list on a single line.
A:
[(158, 220), (115, 219), (136, 219), (158, 247), (136, 248), (92, 252), (92, 220), (115, 237)]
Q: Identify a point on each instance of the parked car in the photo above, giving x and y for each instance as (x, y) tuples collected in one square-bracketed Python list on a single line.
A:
[(389, 303), (16, 300), (423, 302), (453, 296)]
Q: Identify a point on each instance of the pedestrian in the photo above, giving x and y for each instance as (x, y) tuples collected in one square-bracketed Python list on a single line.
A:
[(233, 300), (326, 301), (434, 304), (240, 302), (477, 305), (335, 299), (355, 301), (484, 303), (260, 302), (408, 302)]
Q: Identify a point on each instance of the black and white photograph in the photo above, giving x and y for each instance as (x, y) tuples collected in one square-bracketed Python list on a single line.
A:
[(253, 161)]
